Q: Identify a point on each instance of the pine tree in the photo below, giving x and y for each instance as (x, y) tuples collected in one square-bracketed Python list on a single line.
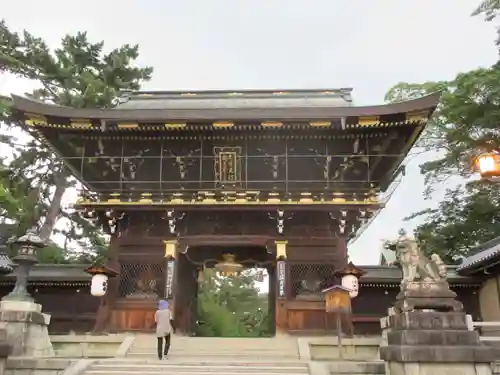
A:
[(78, 74)]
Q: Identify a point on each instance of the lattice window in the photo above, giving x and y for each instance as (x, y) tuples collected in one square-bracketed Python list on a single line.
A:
[(142, 280), (309, 279)]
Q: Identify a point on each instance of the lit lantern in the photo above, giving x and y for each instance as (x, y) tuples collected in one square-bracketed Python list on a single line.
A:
[(488, 165), (100, 277), (349, 277)]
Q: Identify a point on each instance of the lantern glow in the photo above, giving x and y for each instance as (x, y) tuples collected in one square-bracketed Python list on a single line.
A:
[(488, 165)]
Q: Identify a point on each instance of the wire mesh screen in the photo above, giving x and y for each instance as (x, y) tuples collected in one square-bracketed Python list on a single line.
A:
[(142, 280), (309, 279)]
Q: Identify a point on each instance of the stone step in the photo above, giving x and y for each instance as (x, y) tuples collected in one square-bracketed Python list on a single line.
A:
[(214, 356), (222, 344), (215, 345), (234, 348), (201, 353), (208, 361), (357, 367), (145, 346), (221, 368)]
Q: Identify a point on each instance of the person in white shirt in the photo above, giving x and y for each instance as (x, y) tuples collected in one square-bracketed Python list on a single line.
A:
[(164, 328)]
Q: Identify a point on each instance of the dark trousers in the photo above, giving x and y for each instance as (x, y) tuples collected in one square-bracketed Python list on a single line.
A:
[(163, 351)]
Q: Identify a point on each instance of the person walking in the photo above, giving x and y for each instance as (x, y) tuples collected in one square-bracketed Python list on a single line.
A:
[(164, 327)]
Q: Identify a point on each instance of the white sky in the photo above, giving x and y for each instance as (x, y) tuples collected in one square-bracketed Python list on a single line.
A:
[(369, 45)]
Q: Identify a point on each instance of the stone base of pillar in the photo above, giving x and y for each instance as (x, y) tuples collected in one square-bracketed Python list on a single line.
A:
[(26, 328), (431, 342)]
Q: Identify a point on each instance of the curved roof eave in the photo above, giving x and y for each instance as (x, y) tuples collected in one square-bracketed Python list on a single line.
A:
[(36, 107)]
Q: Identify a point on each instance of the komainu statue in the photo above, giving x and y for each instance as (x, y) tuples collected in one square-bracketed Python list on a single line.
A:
[(424, 284), (416, 266)]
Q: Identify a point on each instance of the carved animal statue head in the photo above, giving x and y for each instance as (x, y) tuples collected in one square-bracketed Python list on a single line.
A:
[(406, 244)]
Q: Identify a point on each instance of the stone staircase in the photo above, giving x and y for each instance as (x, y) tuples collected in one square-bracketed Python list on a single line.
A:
[(215, 347), (201, 356), (195, 367)]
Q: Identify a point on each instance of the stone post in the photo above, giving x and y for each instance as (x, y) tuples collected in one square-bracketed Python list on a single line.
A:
[(22, 318)]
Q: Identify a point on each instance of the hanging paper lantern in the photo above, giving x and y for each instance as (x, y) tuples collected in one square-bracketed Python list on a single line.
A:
[(349, 276), (351, 283), (99, 285)]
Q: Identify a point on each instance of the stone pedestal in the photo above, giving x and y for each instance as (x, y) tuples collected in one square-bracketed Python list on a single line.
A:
[(431, 342), (427, 295), (26, 328)]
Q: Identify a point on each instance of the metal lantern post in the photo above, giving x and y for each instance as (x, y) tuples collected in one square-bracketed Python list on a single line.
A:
[(337, 301), (27, 246)]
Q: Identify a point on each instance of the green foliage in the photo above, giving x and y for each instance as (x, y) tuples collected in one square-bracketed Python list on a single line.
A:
[(465, 218), (231, 306), (490, 9), (464, 125), (80, 74)]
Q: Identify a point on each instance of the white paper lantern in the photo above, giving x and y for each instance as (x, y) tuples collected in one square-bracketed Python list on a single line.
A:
[(351, 282), (99, 285)]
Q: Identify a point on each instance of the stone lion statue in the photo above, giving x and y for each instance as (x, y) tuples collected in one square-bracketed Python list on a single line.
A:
[(416, 266)]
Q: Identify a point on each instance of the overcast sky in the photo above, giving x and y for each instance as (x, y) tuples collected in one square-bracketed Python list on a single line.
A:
[(368, 45)]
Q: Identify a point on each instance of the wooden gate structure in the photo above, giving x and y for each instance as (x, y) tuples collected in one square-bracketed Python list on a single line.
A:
[(281, 179)]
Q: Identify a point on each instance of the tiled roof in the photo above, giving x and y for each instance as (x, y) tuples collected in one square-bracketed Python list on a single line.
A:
[(481, 254), (76, 272), (6, 265), (387, 256), (236, 99), (293, 109), (56, 272), (393, 274)]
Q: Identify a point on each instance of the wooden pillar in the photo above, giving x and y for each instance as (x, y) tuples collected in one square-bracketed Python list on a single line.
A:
[(185, 295), (342, 255), (281, 286)]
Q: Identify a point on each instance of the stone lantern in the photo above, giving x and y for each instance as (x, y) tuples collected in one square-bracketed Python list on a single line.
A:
[(27, 247), (25, 324)]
